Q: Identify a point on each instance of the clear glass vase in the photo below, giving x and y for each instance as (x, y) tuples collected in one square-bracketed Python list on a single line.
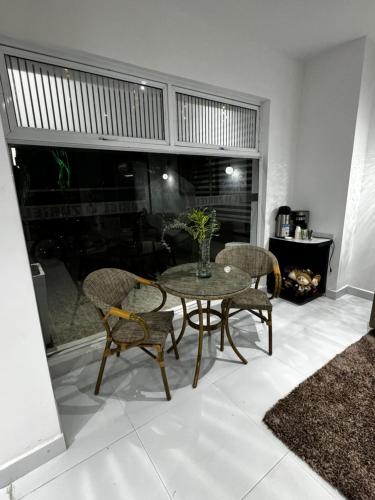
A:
[(203, 267)]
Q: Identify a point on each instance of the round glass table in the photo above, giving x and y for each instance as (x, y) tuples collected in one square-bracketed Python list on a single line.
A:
[(224, 283)]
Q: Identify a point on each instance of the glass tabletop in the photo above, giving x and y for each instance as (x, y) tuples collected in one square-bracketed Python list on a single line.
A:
[(225, 281)]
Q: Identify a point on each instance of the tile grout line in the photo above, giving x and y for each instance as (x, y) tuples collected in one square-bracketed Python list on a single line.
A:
[(266, 474), (174, 405), (154, 466), (288, 452), (311, 473), (295, 370), (169, 406), (133, 430), (77, 464), (130, 432), (255, 422), (244, 412)]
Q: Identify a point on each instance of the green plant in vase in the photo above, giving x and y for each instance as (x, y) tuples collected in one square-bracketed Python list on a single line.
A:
[(201, 224)]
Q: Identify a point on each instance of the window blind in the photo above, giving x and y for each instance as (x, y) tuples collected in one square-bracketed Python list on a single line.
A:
[(212, 122), (53, 97)]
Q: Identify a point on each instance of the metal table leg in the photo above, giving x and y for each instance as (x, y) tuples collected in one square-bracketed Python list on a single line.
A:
[(184, 323), (200, 344), (227, 331), (208, 314)]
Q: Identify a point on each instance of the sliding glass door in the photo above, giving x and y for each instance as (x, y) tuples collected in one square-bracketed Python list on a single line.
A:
[(85, 209)]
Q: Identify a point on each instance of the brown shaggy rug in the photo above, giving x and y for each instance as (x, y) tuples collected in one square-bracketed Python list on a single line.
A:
[(329, 420)]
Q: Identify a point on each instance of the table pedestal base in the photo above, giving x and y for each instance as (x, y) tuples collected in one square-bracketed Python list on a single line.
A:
[(223, 324), (206, 327)]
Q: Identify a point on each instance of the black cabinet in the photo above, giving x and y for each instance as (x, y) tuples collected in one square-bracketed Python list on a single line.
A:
[(304, 258)]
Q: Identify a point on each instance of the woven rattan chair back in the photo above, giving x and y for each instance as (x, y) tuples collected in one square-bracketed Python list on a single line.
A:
[(108, 287), (256, 261)]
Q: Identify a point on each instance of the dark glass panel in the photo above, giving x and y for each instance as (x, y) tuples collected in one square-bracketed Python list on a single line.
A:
[(85, 209)]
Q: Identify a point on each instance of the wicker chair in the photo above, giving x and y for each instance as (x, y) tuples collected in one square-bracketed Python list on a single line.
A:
[(107, 289), (257, 262)]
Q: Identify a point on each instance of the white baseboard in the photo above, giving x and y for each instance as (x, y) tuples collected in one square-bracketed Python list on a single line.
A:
[(350, 290), (360, 292), (336, 294), (29, 461)]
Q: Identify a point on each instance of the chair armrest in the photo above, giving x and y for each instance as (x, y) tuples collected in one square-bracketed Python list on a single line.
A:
[(129, 316), (277, 275), (146, 282)]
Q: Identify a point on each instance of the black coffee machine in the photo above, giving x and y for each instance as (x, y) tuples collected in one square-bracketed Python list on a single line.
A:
[(299, 218)]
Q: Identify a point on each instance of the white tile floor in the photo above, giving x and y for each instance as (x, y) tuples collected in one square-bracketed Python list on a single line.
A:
[(209, 443)]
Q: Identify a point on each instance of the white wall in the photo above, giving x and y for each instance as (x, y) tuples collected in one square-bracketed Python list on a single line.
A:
[(175, 37), (334, 177), (330, 98), (163, 36), (362, 268), (355, 235), (29, 423)]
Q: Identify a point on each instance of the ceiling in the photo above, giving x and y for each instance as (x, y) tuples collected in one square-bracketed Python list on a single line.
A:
[(299, 28)]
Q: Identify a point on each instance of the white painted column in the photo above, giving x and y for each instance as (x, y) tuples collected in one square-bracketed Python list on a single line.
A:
[(30, 432), (330, 100)]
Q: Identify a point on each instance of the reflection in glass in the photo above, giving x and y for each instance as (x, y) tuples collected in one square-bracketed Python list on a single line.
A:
[(83, 210)]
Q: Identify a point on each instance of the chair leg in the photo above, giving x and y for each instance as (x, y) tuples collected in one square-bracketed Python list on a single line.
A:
[(102, 366), (222, 326), (269, 323), (174, 344), (160, 360), (229, 337), (261, 319)]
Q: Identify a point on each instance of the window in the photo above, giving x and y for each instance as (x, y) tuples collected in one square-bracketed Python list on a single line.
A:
[(84, 209), (134, 147), (53, 99), (210, 122)]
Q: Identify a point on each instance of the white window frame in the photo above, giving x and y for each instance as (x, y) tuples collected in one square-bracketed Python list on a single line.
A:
[(253, 152), (113, 69), (170, 84), (16, 133)]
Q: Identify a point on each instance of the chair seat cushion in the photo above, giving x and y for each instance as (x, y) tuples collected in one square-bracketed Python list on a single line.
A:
[(252, 298), (159, 323)]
